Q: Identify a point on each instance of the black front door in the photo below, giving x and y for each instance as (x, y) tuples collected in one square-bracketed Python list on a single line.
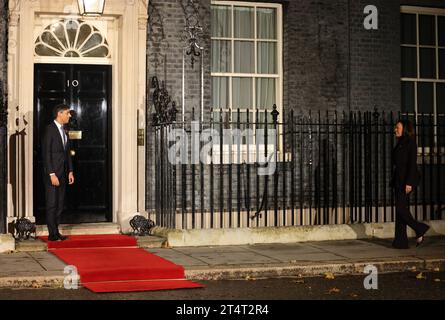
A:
[(87, 90)]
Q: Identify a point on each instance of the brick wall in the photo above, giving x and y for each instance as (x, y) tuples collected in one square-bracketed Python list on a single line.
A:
[(375, 57), (330, 61), (316, 55)]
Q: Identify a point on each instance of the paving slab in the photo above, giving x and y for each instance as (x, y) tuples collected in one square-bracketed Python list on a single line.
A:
[(222, 258), (291, 248), (218, 249), (18, 262), (48, 261), (177, 257)]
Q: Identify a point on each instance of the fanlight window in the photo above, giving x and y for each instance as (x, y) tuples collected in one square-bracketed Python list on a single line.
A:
[(72, 38)]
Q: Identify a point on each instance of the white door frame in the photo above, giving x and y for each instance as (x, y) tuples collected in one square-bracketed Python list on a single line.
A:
[(126, 34)]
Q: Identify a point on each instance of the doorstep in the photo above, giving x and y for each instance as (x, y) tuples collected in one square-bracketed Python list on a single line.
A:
[(145, 242), (82, 229)]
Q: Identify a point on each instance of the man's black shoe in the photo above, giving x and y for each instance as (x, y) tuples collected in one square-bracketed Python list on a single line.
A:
[(54, 238), (61, 237)]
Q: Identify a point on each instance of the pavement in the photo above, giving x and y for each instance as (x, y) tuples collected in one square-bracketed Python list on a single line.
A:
[(37, 269)]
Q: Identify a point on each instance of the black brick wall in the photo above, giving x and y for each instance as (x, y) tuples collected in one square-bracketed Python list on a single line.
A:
[(330, 62), (315, 55)]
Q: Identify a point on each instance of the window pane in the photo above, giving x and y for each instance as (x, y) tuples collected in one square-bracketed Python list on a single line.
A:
[(48, 38), (220, 92), (407, 96), (244, 57), (440, 100), (428, 63), (425, 97), (42, 50), (442, 63), (441, 131), (242, 93), (59, 31), (265, 93), (262, 116), (71, 29), (267, 57), (221, 57), (221, 21), (266, 23), (409, 62), (425, 129), (93, 41), (244, 19), (100, 51), (84, 32), (427, 34), (408, 32), (441, 30)]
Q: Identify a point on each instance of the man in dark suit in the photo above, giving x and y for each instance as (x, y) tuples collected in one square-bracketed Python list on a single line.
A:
[(58, 169)]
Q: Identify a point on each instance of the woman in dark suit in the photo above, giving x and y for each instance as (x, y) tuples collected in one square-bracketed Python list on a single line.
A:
[(404, 179)]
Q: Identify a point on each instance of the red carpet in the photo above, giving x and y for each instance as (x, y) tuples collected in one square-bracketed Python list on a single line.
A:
[(113, 263)]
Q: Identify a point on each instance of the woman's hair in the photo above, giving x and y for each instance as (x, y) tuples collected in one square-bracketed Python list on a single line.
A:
[(408, 128)]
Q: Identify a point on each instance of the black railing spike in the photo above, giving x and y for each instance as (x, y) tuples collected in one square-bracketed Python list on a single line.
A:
[(275, 113), (376, 113)]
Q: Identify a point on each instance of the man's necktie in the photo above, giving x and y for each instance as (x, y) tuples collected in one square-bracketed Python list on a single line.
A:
[(63, 136)]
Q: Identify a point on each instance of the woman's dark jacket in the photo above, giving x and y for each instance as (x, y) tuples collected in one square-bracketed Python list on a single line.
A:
[(404, 163)]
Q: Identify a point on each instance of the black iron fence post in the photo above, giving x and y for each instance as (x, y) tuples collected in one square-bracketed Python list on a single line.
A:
[(274, 114)]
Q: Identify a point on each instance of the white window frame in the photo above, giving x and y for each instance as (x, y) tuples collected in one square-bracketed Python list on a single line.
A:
[(248, 152), (433, 12)]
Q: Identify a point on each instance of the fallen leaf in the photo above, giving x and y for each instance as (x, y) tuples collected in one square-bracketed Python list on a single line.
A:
[(329, 275), (36, 285), (436, 280), (436, 270), (353, 295), (334, 290), (249, 278), (420, 276)]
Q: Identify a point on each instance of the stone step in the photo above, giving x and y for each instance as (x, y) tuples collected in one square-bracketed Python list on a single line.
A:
[(31, 245), (148, 242), (84, 228)]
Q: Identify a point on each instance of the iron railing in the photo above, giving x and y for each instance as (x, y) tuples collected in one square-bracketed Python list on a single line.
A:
[(330, 168)]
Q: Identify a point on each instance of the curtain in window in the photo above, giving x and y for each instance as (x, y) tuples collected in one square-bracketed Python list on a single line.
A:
[(221, 49), (220, 92)]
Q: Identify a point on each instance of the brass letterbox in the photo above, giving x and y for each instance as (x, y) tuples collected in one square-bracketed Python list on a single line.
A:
[(75, 135)]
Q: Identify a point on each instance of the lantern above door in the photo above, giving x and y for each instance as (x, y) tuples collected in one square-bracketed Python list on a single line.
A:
[(91, 7)]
